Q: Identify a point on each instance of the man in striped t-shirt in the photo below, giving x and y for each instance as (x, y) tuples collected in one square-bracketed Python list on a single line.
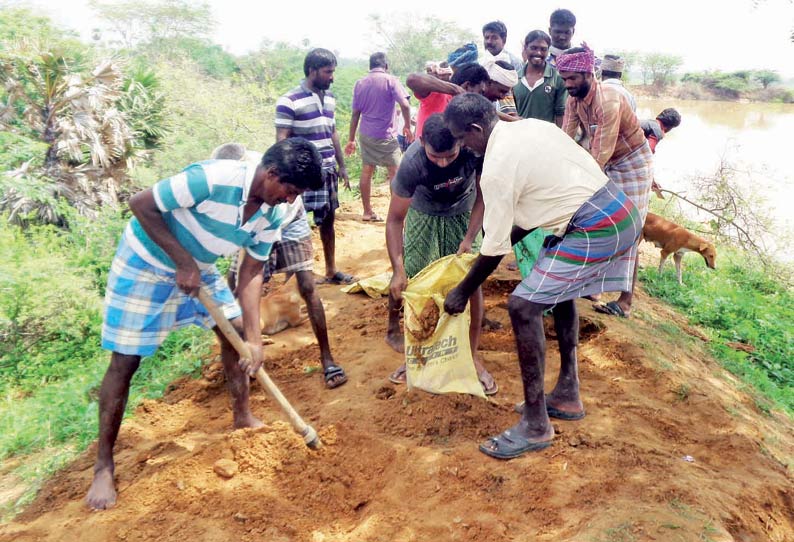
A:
[(308, 111), (181, 226)]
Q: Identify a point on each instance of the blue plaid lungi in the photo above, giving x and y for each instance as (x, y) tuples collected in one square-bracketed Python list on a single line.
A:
[(596, 254), (143, 304), (325, 201)]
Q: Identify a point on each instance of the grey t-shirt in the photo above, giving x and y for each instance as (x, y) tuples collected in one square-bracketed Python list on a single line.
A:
[(436, 191)]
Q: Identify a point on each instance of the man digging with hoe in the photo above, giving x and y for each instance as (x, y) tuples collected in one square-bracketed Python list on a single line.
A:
[(181, 226)]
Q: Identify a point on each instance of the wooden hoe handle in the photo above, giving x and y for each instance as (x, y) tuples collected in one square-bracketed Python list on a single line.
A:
[(306, 431)]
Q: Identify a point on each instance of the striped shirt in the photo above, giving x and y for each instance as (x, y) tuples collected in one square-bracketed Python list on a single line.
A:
[(203, 208), (605, 114), (302, 111), (299, 227)]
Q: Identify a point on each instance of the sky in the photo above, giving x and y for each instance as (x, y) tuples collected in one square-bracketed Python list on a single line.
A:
[(707, 34)]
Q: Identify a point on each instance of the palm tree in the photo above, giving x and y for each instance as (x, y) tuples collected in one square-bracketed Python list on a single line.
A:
[(84, 119)]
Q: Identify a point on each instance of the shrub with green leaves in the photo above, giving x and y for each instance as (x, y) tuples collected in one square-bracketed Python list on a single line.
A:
[(49, 310), (740, 304)]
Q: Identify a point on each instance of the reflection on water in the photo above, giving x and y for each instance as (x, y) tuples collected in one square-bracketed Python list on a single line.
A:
[(753, 138)]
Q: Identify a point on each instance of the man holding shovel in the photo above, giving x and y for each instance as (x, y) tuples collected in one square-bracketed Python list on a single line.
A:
[(181, 226)]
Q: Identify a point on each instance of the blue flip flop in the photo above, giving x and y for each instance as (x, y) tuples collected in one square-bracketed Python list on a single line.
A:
[(509, 446)]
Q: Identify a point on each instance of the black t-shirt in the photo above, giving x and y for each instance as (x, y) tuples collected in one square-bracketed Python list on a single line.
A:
[(448, 191)]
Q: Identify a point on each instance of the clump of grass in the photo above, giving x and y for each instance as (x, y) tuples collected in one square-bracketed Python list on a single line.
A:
[(739, 304)]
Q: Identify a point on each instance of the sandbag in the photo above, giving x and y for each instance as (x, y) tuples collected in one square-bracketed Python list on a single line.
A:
[(437, 349), (375, 287)]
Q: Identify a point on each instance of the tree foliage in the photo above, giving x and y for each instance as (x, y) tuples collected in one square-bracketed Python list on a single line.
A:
[(19, 24), (732, 84), (409, 41), (766, 77), (659, 69), (136, 22), (51, 97)]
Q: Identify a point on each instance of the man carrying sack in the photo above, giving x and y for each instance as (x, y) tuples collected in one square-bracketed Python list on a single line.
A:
[(436, 210)]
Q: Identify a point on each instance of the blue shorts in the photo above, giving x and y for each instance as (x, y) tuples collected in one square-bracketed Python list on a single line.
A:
[(143, 304)]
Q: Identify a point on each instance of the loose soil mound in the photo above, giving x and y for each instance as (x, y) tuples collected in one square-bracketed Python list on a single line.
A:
[(669, 449)]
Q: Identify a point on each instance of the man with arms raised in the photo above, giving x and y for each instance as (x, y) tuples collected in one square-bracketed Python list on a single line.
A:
[(308, 111), (180, 227), (534, 176), (435, 210), (616, 141)]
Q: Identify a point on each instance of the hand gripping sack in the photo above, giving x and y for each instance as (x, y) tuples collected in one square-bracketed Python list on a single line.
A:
[(437, 350)]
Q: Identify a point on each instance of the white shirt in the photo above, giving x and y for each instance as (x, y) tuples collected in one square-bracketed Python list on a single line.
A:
[(534, 176)]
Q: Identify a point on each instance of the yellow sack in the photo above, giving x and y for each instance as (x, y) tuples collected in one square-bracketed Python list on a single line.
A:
[(437, 350), (375, 287)]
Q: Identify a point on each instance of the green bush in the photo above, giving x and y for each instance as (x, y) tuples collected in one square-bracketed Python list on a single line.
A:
[(50, 313), (16, 150), (744, 305)]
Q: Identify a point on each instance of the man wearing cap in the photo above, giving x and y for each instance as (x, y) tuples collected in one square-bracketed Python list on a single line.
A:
[(374, 97), (502, 80), (616, 141), (611, 75)]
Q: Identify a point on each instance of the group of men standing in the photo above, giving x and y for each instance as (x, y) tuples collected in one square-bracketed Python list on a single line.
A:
[(468, 183)]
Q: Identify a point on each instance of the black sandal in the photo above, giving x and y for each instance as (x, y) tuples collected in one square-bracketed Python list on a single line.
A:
[(330, 373)]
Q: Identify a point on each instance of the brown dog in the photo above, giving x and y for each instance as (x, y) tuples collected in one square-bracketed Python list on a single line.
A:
[(675, 240), (282, 308)]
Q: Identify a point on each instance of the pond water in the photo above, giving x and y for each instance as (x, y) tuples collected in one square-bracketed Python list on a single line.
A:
[(755, 139)]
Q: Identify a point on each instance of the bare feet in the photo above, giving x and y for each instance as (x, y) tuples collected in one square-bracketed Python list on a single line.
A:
[(102, 494), (396, 340), (247, 420)]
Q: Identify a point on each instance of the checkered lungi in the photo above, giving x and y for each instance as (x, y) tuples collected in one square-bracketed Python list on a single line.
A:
[(289, 256), (596, 253), (325, 201), (634, 175), (143, 304), (428, 238), (286, 256)]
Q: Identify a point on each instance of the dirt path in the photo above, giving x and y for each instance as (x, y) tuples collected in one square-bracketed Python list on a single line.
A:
[(400, 466)]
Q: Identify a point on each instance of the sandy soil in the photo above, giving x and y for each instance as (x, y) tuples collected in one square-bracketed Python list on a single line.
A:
[(671, 449)]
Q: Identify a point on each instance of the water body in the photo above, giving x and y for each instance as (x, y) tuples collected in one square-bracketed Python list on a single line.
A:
[(753, 138)]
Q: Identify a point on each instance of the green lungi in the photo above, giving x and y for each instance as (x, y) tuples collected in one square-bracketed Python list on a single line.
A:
[(427, 238)]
